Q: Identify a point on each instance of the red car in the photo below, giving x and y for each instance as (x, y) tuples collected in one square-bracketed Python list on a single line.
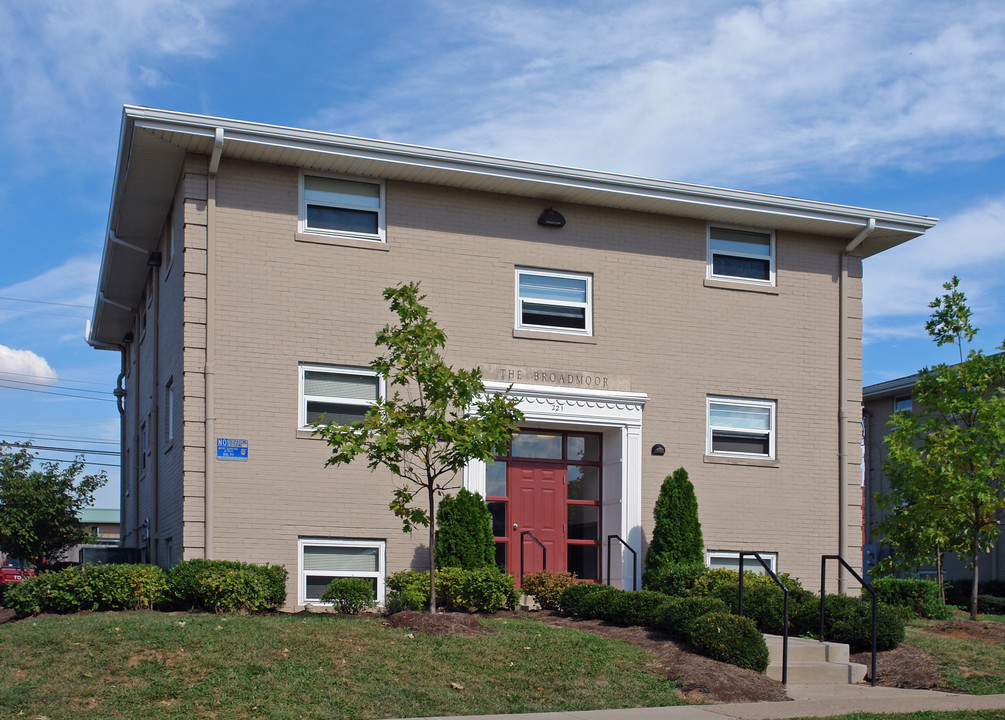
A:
[(11, 571)]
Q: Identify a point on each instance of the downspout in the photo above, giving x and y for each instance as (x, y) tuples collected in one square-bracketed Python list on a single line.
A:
[(120, 395), (153, 528), (209, 499), (870, 226)]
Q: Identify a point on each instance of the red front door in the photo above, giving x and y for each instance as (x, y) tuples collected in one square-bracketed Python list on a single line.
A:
[(537, 505)]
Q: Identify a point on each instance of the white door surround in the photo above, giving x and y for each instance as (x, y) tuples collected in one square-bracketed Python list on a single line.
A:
[(616, 414)]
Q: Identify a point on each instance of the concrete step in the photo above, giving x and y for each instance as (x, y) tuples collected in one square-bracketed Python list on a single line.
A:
[(812, 662)]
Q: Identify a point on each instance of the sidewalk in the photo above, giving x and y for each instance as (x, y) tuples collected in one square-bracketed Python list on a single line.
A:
[(807, 701)]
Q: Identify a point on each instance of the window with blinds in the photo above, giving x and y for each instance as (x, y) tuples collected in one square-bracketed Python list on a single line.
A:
[(336, 395), (741, 427), (747, 255), (554, 301), (322, 560), (342, 206)]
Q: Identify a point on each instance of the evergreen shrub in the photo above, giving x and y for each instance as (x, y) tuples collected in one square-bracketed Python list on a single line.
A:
[(677, 537), (464, 538), (349, 596), (405, 600), (674, 615), (849, 620), (226, 586), (919, 598), (573, 597), (990, 605), (636, 608), (546, 587), (88, 587), (729, 638), (675, 580), (600, 604)]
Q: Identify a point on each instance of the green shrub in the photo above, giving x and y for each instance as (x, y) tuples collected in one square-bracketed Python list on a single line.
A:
[(546, 587), (995, 588), (636, 608), (599, 605), (674, 615), (486, 589), (849, 620), (920, 598), (464, 538), (407, 599), (226, 586), (729, 638), (677, 535), (763, 599), (572, 598), (349, 596), (413, 581), (990, 605), (674, 580), (89, 587)]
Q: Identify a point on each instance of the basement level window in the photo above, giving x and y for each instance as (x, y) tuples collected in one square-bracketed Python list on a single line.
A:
[(321, 560), (730, 560), (342, 207)]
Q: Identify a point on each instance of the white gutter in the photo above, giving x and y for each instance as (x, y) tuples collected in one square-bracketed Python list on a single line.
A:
[(870, 226)]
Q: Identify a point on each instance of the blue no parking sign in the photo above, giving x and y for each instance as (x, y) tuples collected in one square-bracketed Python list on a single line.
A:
[(231, 449)]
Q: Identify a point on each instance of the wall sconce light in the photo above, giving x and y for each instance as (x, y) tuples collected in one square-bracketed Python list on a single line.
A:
[(551, 218), (658, 450)]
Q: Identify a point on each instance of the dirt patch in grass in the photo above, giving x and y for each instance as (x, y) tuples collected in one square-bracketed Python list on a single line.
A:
[(904, 667), (969, 630), (699, 678), (6, 615), (448, 623)]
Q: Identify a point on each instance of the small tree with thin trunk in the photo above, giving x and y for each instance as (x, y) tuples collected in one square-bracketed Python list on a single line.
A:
[(677, 537), (946, 460), (38, 506), (434, 420)]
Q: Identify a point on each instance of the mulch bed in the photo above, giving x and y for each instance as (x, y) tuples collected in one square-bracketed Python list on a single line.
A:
[(969, 630), (446, 623), (904, 667)]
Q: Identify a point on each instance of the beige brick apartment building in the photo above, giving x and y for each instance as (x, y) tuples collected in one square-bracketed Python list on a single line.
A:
[(241, 282)]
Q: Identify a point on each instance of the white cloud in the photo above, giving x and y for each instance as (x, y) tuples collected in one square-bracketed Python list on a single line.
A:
[(63, 64), (723, 92), (24, 365), (899, 284), (70, 284)]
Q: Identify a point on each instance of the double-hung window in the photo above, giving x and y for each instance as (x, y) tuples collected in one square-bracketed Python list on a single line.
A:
[(743, 255), (321, 560), (335, 394), (341, 206), (730, 560), (554, 301), (739, 427)]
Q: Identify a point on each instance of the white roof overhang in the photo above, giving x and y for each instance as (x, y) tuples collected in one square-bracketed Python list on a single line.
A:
[(153, 144)]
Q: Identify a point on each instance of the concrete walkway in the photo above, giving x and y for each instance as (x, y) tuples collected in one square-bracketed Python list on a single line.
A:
[(807, 701)]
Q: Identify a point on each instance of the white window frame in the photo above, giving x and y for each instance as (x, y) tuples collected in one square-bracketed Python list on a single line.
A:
[(739, 402), (332, 370), (709, 274), (378, 574), (587, 306), (303, 227), (769, 557)]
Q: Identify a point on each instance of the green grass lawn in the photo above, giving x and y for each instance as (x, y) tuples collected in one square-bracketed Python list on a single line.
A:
[(970, 666), (155, 665)]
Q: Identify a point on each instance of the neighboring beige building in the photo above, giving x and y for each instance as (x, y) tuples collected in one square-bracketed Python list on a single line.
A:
[(242, 278), (879, 403)]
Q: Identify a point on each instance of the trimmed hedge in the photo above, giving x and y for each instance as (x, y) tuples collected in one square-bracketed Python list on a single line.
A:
[(89, 587), (849, 620), (675, 614), (990, 605), (920, 598), (227, 586), (349, 596), (572, 598), (675, 580), (729, 638), (480, 589), (546, 587), (636, 608)]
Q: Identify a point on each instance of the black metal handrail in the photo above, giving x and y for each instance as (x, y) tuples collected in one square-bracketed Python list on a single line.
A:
[(635, 560), (544, 553), (785, 620), (867, 586)]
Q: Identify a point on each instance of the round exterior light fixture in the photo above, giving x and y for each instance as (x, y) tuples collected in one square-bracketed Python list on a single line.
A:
[(658, 450)]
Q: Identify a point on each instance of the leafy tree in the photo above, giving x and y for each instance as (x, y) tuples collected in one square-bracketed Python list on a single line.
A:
[(433, 421), (677, 537), (946, 460), (38, 507), (465, 537)]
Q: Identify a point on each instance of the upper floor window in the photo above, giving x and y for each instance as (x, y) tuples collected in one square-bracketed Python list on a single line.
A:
[(903, 404), (554, 301), (338, 206), (336, 395), (741, 427), (745, 255)]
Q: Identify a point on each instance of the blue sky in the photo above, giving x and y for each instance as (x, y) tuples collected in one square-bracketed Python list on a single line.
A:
[(896, 105)]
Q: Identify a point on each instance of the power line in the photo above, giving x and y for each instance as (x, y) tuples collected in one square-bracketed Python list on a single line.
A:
[(43, 312), (42, 377), (60, 438), (44, 302), (55, 384), (76, 451), (49, 392), (86, 462)]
